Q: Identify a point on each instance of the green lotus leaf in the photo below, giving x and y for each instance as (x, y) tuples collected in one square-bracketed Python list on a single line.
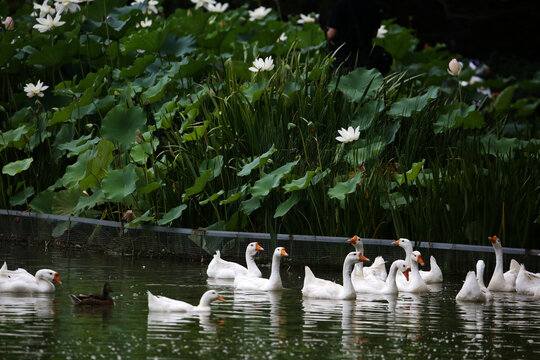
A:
[(458, 115), (257, 162), (42, 202), (411, 174), (178, 46), (255, 91), (98, 165), (138, 67), (77, 171), (302, 183), (215, 164), (341, 189), (11, 137), (503, 101), (198, 186), (287, 205), (197, 133), (250, 205), (120, 183), (172, 214), (262, 187), (121, 125), (151, 41), (212, 197), (359, 84), (148, 188), (88, 202), (234, 195), (146, 217), (140, 152), (77, 146), (65, 202), (367, 114), (407, 106), (15, 167), (20, 197)]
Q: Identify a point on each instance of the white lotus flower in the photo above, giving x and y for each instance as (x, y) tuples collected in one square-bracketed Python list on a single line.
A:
[(145, 23), (48, 23), (454, 67), (67, 5), (9, 24), (152, 5), (262, 65), (44, 9), (38, 89), (217, 7), (282, 38), (348, 135), (307, 18), (259, 13), (202, 3), (381, 32)]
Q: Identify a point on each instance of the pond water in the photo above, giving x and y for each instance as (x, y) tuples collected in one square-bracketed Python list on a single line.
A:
[(250, 325)]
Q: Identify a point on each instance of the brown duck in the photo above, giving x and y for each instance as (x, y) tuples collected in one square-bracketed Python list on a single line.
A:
[(94, 299)]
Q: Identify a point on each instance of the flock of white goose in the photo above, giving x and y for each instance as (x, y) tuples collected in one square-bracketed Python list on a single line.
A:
[(403, 276)]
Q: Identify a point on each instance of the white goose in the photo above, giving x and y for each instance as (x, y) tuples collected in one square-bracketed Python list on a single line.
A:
[(219, 268), (500, 282), (415, 284), (470, 291), (434, 275), (537, 294), (21, 281), (480, 266), (527, 282), (388, 287), (326, 289), (165, 304), (377, 269), (273, 283)]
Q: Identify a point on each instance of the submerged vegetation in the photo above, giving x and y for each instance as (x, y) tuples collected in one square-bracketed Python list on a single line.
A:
[(223, 118)]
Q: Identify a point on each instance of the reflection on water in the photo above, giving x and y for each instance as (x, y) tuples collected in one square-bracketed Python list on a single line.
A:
[(252, 324)]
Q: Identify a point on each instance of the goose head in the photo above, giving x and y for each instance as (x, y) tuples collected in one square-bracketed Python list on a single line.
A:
[(209, 296), (48, 275), (402, 266), (404, 243), (416, 256), (355, 256), (495, 241), (280, 251), (252, 248), (357, 243)]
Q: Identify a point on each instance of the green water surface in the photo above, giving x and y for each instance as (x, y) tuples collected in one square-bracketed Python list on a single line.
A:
[(250, 325)]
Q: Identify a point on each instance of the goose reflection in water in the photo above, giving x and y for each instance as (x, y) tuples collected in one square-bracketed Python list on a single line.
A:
[(162, 323), (15, 307), (260, 305)]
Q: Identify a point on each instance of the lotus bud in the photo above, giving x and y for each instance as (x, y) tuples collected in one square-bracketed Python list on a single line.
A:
[(454, 67), (9, 24)]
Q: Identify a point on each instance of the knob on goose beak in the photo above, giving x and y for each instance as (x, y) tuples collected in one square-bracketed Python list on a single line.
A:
[(493, 239)]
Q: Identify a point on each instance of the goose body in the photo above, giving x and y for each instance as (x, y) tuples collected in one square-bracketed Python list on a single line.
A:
[(325, 289), (470, 291), (21, 281), (219, 268), (498, 281), (376, 270), (480, 266), (434, 275), (527, 282), (415, 284), (388, 287), (165, 304), (272, 283), (94, 299)]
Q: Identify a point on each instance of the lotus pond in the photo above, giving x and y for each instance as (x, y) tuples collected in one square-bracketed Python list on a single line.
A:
[(254, 325)]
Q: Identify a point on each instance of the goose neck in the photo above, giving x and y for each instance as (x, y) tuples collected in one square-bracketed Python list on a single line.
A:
[(274, 274), (391, 279), (347, 282)]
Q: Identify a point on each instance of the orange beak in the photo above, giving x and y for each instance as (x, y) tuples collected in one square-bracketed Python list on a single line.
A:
[(258, 247), (353, 240), (395, 242), (362, 257), (406, 273), (57, 278), (221, 299), (420, 260), (283, 252), (493, 239)]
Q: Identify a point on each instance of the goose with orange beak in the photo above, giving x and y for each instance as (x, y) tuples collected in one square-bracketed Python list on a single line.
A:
[(388, 287), (501, 281), (21, 281), (326, 289), (165, 304), (415, 284), (222, 269), (272, 283), (434, 275), (377, 269)]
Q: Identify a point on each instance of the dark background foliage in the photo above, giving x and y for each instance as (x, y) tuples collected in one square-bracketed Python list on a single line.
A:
[(494, 30)]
